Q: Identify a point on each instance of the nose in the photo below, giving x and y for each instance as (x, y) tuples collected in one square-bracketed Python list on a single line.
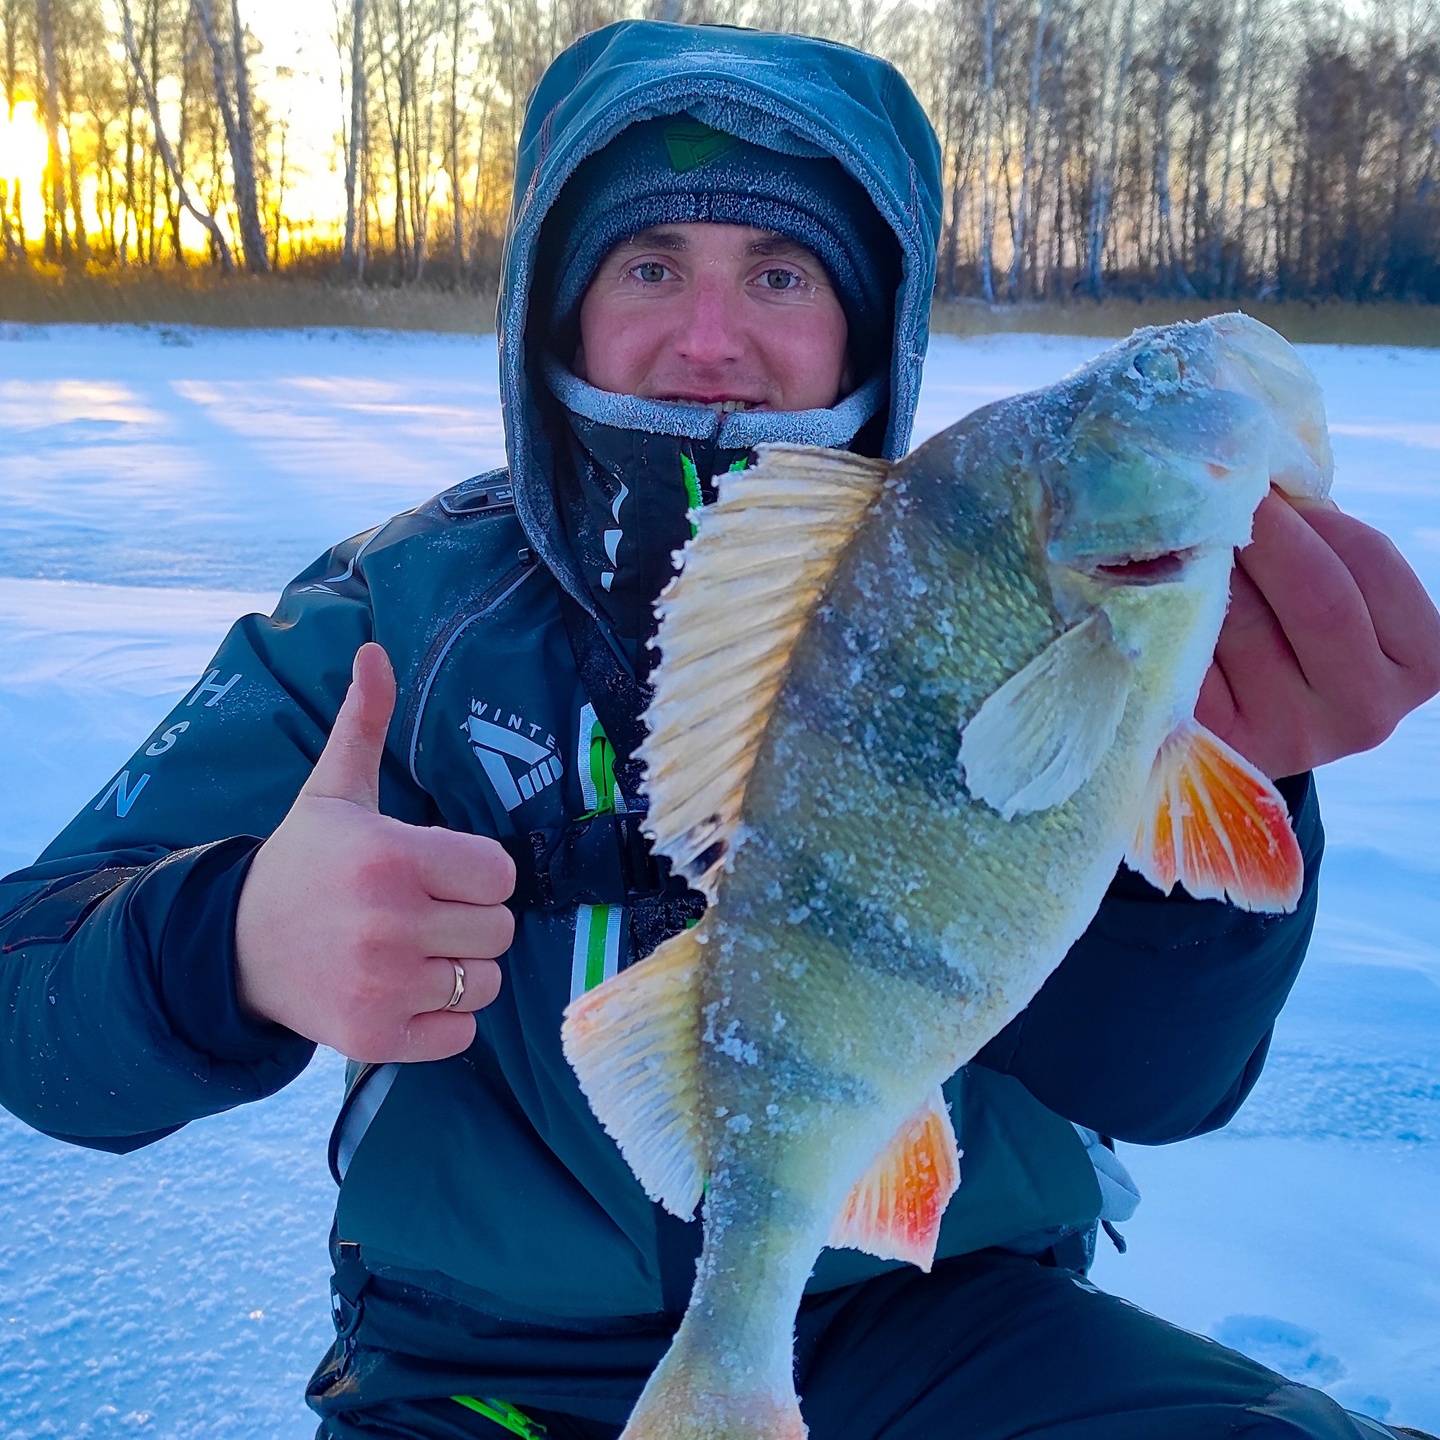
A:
[(710, 333)]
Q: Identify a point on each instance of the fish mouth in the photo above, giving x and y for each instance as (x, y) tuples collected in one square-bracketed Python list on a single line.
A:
[(1162, 568)]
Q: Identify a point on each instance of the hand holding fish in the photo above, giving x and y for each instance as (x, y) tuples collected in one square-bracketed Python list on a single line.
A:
[(1329, 643)]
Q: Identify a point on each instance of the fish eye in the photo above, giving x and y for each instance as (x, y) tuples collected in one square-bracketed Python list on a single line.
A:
[(1160, 367)]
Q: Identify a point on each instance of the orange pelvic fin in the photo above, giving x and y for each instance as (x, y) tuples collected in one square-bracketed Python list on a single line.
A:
[(895, 1210), (1213, 822)]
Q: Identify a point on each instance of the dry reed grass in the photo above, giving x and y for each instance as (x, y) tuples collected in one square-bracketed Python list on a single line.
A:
[(1330, 323), (176, 297), (47, 295)]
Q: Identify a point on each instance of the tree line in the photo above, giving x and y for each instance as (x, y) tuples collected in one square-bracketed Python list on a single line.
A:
[(1198, 148)]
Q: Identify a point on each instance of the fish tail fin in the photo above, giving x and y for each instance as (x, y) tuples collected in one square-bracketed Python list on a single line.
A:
[(693, 1395)]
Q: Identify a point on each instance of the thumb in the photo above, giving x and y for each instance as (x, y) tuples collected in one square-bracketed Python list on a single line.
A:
[(349, 765)]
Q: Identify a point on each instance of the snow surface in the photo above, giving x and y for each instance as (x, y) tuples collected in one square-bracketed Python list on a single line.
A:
[(156, 483)]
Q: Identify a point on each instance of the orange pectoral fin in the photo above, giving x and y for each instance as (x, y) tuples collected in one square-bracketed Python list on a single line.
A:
[(1213, 822), (895, 1210)]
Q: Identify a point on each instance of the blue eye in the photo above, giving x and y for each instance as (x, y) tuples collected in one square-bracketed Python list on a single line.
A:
[(650, 272), (774, 277)]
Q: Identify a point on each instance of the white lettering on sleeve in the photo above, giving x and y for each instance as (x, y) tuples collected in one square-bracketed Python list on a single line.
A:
[(209, 686), (125, 795), (168, 737)]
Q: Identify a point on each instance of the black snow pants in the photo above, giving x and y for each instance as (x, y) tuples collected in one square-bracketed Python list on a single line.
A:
[(989, 1347)]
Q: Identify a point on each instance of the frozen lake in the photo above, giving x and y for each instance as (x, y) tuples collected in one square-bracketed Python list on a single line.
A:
[(155, 484)]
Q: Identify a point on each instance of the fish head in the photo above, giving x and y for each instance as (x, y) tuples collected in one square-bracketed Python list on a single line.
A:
[(1173, 439)]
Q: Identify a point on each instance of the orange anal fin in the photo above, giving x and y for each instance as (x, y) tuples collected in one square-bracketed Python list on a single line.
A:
[(894, 1212), (1213, 822)]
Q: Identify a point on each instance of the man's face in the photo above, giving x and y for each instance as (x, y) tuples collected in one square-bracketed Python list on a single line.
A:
[(714, 314)]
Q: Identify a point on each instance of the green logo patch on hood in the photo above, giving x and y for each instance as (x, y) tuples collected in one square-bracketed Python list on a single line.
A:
[(692, 145)]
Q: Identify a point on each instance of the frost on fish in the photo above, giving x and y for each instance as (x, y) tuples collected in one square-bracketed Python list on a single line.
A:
[(938, 702)]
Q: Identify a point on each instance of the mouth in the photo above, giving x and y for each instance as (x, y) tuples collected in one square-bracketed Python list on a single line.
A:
[(721, 404), (1159, 569)]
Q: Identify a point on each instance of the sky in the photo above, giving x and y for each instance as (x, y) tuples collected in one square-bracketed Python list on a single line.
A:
[(297, 73)]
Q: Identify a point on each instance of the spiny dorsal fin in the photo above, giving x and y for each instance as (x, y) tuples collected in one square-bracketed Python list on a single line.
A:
[(635, 1044), (750, 580), (895, 1209)]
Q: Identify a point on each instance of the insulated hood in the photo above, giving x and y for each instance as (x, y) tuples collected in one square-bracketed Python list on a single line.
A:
[(789, 93)]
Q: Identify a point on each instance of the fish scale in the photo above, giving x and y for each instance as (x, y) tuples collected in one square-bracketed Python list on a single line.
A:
[(903, 768)]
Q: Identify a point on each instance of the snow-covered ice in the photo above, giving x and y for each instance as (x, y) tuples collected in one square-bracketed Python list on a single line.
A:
[(155, 484)]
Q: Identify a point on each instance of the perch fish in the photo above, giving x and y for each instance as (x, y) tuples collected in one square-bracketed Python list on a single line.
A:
[(908, 720)]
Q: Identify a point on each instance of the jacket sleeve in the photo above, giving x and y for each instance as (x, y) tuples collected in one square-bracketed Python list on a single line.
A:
[(1156, 1025), (119, 1019)]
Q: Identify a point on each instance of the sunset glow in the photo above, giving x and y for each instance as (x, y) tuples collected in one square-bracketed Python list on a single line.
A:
[(22, 156)]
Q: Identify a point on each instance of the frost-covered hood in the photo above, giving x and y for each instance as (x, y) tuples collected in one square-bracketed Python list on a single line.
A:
[(784, 91)]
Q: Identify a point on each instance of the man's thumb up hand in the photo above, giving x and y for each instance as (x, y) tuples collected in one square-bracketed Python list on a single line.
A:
[(361, 932), (349, 766)]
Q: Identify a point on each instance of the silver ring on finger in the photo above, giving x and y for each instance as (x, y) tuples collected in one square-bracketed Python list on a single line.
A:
[(459, 992)]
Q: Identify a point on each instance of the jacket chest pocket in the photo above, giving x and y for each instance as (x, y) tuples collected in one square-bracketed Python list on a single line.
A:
[(483, 731)]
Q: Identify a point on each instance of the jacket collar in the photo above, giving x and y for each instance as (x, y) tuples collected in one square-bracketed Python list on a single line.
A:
[(635, 469)]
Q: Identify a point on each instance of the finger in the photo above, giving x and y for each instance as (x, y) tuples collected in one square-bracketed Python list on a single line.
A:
[(1272, 706), (454, 866), (1215, 707), (1401, 611), (1313, 598), (349, 765), (468, 932), (436, 984), (1253, 650), (435, 1036)]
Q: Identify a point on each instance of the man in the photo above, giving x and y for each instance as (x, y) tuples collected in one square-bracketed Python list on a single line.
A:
[(719, 238)]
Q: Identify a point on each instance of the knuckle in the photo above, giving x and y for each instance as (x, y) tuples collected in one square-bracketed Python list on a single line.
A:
[(376, 934), (370, 988), (1371, 722), (458, 1036), (1426, 670), (488, 982), (498, 868), (503, 928), (1374, 550), (368, 1042), (377, 864)]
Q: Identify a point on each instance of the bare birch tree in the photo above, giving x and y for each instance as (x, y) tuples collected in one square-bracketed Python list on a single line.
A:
[(354, 137), (238, 115), (1107, 148), (1027, 157), (162, 144), (12, 216)]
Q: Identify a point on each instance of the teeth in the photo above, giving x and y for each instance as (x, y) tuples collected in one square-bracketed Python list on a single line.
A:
[(721, 407)]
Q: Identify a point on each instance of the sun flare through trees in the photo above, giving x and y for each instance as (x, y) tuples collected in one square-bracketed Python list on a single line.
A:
[(1205, 149)]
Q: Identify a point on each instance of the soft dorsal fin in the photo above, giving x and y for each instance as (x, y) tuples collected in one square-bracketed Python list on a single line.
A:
[(896, 1208), (750, 580)]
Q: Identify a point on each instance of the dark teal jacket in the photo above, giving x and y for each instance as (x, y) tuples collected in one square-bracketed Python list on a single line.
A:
[(485, 1177)]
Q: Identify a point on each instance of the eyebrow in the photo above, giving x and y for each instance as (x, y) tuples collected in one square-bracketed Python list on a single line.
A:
[(769, 247)]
